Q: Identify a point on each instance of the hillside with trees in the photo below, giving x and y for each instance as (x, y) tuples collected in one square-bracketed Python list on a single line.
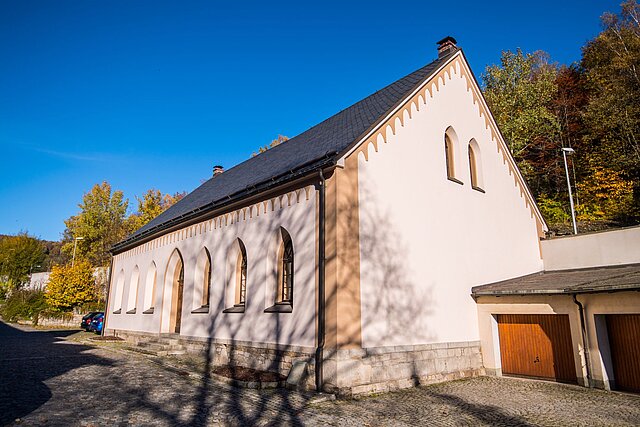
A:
[(592, 107)]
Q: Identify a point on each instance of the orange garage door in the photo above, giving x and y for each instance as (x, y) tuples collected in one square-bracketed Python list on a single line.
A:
[(624, 341), (537, 345)]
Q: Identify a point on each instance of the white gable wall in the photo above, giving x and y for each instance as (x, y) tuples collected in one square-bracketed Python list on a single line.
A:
[(261, 237), (425, 240)]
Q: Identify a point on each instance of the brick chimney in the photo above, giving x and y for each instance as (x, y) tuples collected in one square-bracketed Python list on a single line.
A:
[(446, 46), (217, 170)]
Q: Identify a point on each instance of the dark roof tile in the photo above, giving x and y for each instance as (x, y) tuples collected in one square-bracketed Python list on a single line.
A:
[(587, 280), (333, 135)]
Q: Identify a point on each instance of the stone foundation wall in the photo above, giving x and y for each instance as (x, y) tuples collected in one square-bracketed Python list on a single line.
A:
[(346, 372), (382, 369), (64, 322), (261, 356)]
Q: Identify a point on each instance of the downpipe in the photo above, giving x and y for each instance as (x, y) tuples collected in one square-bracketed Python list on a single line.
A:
[(585, 343), (106, 302), (321, 287)]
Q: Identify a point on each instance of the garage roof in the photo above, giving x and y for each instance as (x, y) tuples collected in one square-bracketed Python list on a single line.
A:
[(588, 280)]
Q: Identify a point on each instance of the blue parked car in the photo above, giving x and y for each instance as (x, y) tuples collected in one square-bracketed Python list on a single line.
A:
[(87, 318), (96, 323)]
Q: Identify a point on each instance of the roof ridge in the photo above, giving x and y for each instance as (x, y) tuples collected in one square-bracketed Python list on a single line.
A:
[(331, 136)]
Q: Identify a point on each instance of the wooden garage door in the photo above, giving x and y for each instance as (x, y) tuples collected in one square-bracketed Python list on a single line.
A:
[(537, 345), (624, 341)]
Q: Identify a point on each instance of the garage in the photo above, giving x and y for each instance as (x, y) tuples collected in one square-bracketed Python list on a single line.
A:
[(536, 345), (624, 343), (537, 325)]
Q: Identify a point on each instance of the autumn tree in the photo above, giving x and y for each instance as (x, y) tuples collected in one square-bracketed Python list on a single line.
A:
[(612, 65), (605, 195), (71, 286), (20, 255), (279, 140), (100, 223), (150, 205)]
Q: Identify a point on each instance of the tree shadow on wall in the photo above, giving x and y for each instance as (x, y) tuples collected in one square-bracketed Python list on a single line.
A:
[(396, 306)]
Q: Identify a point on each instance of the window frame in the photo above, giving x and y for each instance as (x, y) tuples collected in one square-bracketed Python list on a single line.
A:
[(285, 275), (449, 157)]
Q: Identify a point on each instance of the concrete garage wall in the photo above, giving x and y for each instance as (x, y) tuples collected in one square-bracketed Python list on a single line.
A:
[(596, 307), (592, 250), (258, 226)]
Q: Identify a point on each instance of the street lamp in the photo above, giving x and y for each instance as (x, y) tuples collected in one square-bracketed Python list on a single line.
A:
[(75, 243), (31, 268), (565, 151)]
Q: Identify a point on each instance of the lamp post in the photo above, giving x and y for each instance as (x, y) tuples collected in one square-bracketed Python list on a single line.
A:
[(75, 243), (565, 151), (31, 274), (31, 268)]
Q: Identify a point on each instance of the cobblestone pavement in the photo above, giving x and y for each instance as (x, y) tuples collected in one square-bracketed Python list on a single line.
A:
[(47, 379)]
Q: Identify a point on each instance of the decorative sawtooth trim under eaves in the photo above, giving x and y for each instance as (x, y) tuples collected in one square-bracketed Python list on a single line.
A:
[(227, 219), (456, 67)]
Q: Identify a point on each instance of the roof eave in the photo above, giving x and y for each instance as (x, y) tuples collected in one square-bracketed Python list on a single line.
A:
[(393, 110), (328, 160), (566, 291)]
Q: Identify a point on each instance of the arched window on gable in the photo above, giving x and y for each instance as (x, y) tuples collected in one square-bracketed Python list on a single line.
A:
[(285, 278), (475, 166), (450, 140)]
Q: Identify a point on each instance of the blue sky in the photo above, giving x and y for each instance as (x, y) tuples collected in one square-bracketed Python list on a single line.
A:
[(152, 94)]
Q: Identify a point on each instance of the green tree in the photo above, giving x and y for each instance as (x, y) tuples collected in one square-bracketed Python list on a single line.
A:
[(520, 93), (20, 255), (24, 304), (71, 286), (100, 222), (152, 204)]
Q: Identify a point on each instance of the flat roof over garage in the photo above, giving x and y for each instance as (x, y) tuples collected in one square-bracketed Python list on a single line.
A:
[(588, 280)]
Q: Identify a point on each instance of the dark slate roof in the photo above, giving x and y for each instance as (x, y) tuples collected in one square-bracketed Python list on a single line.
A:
[(587, 280), (323, 141)]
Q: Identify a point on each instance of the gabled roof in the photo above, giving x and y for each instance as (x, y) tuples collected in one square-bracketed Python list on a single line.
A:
[(581, 281), (317, 147)]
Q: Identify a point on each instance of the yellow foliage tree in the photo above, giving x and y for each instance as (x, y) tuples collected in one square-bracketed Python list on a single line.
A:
[(70, 287), (604, 195)]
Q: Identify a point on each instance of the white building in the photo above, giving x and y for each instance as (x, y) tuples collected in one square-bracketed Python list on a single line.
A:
[(353, 246)]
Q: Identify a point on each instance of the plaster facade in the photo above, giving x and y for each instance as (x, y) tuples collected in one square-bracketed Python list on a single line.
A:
[(615, 247), (258, 226), (425, 239)]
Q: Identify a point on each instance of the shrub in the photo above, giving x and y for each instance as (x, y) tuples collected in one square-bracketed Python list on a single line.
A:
[(24, 304), (552, 210)]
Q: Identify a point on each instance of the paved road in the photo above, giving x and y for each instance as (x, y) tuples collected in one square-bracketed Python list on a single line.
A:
[(46, 379)]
